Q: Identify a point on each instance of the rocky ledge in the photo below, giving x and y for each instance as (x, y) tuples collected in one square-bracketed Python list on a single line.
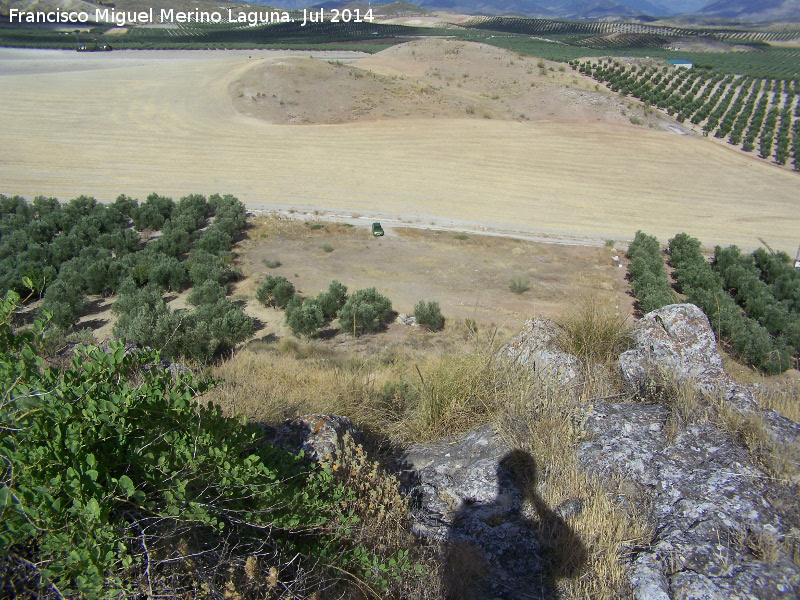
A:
[(722, 528)]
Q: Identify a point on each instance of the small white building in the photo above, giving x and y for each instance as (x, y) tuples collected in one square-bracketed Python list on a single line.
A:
[(680, 63)]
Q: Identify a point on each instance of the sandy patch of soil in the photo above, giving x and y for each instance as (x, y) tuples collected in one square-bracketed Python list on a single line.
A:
[(468, 274)]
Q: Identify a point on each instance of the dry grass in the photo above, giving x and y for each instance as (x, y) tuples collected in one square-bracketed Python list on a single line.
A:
[(778, 458), (594, 331), (411, 395), (781, 395), (582, 552)]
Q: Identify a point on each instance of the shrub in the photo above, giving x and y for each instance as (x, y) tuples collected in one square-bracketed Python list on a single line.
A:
[(153, 213), (165, 271), (327, 247), (519, 285), (305, 318), (332, 301), (177, 237), (364, 311), (141, 479), (63, 302), (214, 240), (203, 266), (208, 292), (429, 314), (275, 291)]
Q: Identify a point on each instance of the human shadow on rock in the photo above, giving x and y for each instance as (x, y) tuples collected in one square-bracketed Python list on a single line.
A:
[(514, 548)]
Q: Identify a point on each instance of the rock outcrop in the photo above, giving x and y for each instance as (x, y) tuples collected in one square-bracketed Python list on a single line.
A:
[(721, 527), (678, 340), (719, 522), (469, 493), (318, 436), (536, 348)]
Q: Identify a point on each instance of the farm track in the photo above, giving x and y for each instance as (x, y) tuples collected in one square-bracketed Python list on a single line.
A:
[(168, 125)]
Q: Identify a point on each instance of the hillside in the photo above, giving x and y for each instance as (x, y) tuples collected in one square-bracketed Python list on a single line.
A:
[(120, 5), (753, 10)]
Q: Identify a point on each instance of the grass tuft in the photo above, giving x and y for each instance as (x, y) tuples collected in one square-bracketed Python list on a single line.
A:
[(594, 332), (519, 285)]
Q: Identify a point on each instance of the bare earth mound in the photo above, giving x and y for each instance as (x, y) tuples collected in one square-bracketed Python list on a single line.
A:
[(430, 78)]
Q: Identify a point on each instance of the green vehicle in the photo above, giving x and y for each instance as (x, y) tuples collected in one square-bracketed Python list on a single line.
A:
[(377, 230)]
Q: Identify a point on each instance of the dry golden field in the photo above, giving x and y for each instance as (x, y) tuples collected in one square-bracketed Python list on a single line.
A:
[(137, 122)]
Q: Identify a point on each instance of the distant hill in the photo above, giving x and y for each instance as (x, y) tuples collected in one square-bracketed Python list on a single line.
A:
[(386, 11), (752, 10), (552, 9), (120, 5), (745, 10)]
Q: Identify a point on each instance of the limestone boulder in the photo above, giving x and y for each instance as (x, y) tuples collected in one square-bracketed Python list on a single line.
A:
[(536, 348)]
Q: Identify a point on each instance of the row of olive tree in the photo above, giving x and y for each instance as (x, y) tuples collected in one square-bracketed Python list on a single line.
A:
[(85, 247)]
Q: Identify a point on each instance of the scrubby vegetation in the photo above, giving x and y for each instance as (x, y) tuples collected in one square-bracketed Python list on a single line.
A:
[(118, 479), (429, 315), (364, 312)]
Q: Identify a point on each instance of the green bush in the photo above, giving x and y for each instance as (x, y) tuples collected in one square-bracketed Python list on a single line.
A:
[(519, 285), (153, 213), (216, 325), (365, 311), (429, 314), (332, 301), (275, 291), (114, 461), (305, 318), (208, 292), (63, 302), (214, 240)]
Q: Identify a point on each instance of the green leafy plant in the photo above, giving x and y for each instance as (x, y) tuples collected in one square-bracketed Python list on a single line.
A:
[(117, 476), (275, 291), (364, 311), (429, 314), (332, 301), (305, 318)]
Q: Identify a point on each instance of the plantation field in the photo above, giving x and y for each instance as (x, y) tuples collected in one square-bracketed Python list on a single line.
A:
[(133, 123)]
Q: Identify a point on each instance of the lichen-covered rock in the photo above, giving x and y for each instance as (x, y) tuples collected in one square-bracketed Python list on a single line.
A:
[(536, 348), (676, 338), (318, 436), (467, 492), (719, 522)]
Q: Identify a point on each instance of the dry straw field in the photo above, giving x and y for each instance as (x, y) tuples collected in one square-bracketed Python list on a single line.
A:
[(175, 122)]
